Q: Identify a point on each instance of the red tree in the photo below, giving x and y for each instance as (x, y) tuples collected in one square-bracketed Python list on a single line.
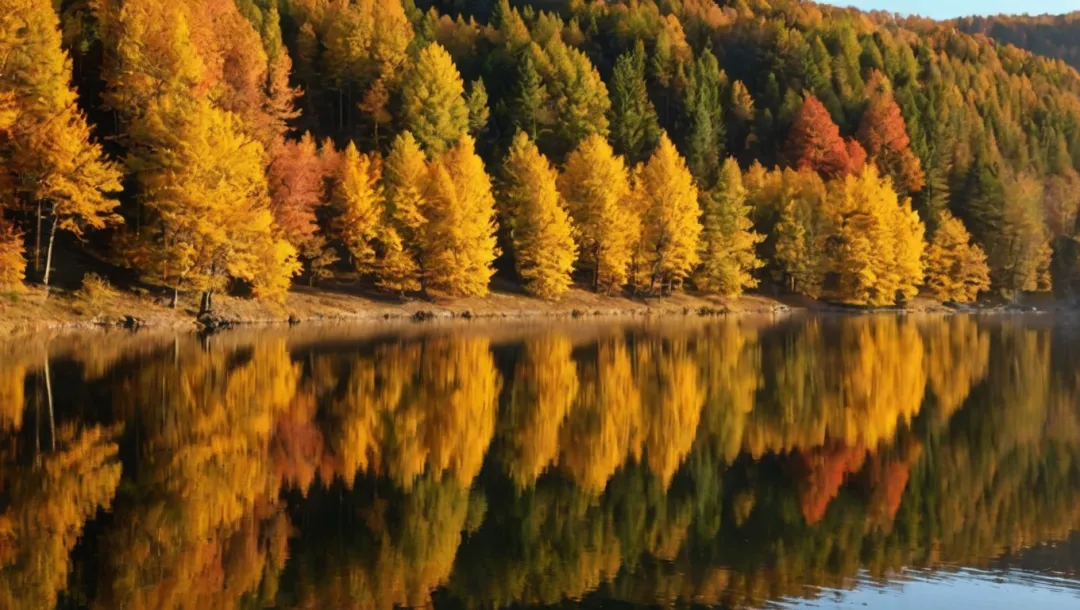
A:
[(296, 179), (815, 143), (883, 133)]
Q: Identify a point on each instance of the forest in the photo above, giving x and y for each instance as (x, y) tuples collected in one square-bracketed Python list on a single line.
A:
[(635, 147)]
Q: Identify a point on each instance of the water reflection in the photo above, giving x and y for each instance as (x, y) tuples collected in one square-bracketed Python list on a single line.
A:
[(715, 462)]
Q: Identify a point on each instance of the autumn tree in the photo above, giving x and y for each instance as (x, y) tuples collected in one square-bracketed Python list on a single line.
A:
[(728, 242), (203, 184), (883, 133), (596, 187), (668, 248), (12, 261), (432, 100), (540, 228), (878, 241), (296, 180), (459, 238), (634, 125), (358, 199), (405, 176), (956, 269), (814, 141), (61, 171)]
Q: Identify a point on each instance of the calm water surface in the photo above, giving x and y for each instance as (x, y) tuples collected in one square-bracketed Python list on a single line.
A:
[(876, 461)]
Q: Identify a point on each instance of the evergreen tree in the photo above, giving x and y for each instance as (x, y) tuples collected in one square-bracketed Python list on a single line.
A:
[(635, 129), (540, 228), (477, 102), (728, 259), (432, 100), (532, 111)]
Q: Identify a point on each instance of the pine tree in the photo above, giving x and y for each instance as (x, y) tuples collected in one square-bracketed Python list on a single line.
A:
[(540, 228), (432, 100), (477, 102), (459, 237), (956, 269), (635, 129), (358, 199), (815, 143), (704, 107), (579, 96), (596, 186), (531, 112), (728, 241), (670, 227)]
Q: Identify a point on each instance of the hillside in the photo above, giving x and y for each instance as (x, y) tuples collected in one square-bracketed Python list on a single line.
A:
[(1054, 36), (638, 147)]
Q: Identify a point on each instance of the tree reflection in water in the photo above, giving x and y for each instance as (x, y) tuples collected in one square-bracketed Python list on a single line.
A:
[(708, 461)]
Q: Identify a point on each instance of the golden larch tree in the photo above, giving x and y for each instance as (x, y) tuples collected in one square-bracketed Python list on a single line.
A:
[(670, 226), (878, 241), (956, 269), (405, 175), (596, 186), (459, 238), (540, 228), (358, 199)]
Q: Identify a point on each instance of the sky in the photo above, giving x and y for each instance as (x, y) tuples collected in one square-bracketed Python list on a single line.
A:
[(946, 9)]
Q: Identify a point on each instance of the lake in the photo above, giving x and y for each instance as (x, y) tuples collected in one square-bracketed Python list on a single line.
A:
[(851, 461)]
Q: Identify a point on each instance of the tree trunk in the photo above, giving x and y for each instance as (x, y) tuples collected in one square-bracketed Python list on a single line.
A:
[(48, 254), (37, 241), (206, 305), (175, 297)]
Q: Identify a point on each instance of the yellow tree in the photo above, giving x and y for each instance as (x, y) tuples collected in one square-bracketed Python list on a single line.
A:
[(50, 151), (404, 182), (459, 239), (956, 269), (432, 100), (205, 190), (358, 199), (728, 241), (596, 187), (879, 241), (12, 262), (540, 228), (670, 226), (793, 203), (543, 392)]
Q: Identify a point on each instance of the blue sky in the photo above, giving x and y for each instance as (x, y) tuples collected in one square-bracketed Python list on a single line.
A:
[(945, 9)]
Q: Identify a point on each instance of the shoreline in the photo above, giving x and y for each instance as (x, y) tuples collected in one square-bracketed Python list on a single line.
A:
[(35, 311)]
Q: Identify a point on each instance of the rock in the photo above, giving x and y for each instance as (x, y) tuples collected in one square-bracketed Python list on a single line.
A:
[(468, 315), (132, 323), (213, 322), (423, 315), (293, 319)]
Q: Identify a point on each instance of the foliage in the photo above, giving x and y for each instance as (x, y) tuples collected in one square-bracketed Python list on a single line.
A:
[(956, 269), (728, 241), (539, 225)]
